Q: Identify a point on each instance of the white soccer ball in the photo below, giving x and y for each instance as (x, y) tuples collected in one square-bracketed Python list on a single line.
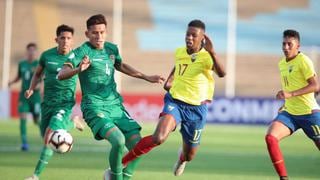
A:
[(61, 141)]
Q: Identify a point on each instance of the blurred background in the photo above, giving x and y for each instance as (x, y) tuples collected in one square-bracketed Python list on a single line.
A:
[(247, 36)]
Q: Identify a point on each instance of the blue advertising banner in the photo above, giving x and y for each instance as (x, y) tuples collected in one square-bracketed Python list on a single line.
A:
[(243, 110)]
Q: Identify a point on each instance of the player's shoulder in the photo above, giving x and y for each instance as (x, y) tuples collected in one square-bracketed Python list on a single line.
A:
[(181, 50), (303, 58), (49, 51), (282, 61), (22, 61), (111, 46)]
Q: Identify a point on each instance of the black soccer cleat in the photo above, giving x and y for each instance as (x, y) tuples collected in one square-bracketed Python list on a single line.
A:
[(284, 178)]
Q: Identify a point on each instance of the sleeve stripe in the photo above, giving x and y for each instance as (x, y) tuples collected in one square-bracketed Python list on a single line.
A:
[(68, 64)]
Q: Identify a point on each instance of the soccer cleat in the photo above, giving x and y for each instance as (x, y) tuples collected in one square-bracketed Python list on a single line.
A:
[(78, 123), (25, 147), (179, 166), (284, 178), (33, 177), (107, 174)]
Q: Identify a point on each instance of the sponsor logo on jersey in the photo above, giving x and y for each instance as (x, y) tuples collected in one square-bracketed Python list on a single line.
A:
[(170, 107), (96, 59), (55, 63), (100, 115)]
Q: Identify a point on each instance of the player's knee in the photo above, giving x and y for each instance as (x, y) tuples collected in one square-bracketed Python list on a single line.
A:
[(270, 139), (117, 140), (159, 139), (119, 143)]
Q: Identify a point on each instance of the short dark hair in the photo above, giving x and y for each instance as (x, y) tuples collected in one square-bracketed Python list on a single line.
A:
[(198, 24), (32, 44), (64, 28), (96, 19), (291, 33)]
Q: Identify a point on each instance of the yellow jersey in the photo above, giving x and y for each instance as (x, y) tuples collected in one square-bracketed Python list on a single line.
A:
[(193, 77), (294, 75)]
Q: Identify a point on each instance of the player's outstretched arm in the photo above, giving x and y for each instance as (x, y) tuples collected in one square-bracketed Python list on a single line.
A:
[(217, 65), (130, 71), (313, 86), (34, 81), (168, 83), (68, 71)]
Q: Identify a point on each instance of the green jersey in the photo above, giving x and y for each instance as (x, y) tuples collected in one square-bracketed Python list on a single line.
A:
[(97, 82), (56, 91), (25, 72)]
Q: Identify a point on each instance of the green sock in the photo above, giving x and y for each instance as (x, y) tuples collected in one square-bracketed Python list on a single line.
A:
[(117, 141), (23, 130), (128, 171), (46, 154)]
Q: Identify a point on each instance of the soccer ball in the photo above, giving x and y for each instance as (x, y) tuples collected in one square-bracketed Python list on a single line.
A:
[(61, 141)]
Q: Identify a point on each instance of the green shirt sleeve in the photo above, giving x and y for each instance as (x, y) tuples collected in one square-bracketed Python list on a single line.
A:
[(118, 58), (19, 70), (42, 60), (74, 58)]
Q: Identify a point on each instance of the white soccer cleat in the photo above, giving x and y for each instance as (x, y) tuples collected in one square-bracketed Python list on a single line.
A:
[(107, 174), (33, 177), (179, 166), (78, 123)]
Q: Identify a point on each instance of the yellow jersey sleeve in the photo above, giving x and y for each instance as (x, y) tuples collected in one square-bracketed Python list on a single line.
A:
[(193, 77)]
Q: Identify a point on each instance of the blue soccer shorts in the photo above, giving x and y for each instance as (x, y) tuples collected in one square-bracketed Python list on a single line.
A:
[(191, 117), (309, 123)]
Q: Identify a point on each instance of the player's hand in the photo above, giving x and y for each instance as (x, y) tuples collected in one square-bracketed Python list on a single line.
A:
[(208, 44), (155, 79), (84, 64), (28, 93), (284, 95)]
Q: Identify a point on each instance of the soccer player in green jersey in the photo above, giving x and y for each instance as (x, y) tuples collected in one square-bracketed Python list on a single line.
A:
[(26, 69), (59, 96), (95, 63)]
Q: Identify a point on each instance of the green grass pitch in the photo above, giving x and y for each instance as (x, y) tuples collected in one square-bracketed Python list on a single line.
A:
[(226, 152)]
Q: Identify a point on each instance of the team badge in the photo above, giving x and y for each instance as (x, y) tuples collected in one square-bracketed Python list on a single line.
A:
[(290, 69), (193, 57)]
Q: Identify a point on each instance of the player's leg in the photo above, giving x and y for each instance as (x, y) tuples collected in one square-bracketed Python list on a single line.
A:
[(23, 110), (166, 124), (132, 138), (281, 127), (117, 140), (311, 127), (131, 130), (52, 119), (45, 155), (35, 104), (191, 131), (169, 118), (46, 152), (103, 127)]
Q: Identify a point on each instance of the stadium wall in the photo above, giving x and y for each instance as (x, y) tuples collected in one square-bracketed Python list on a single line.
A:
[(146, 108)]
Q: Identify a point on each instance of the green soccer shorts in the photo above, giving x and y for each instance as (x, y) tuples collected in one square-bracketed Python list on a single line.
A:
[(103, 118), (55, 117), (32, 105)]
